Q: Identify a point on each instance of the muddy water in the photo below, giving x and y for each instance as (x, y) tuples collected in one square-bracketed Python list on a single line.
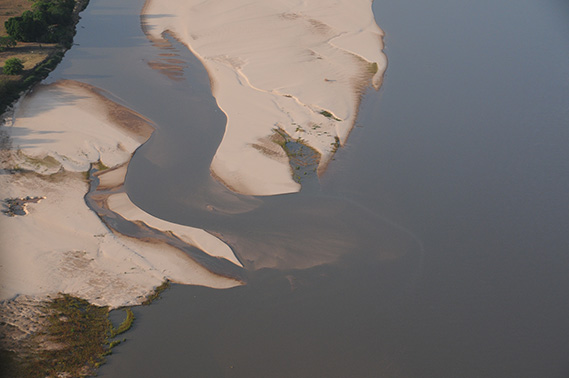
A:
[(442, 224)]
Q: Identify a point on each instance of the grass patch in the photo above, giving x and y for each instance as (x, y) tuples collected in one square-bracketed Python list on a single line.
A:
[(125, 325), (73, 342), (114, 343)]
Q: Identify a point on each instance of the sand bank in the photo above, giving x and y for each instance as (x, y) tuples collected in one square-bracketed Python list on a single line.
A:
[(298, 66), (61, 245)]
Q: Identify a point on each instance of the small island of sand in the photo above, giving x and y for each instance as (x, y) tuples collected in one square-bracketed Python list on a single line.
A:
[(294, 67)]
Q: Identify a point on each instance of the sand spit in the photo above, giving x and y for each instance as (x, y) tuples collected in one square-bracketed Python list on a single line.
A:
[(295, 65), (121, 204), (61, 245)]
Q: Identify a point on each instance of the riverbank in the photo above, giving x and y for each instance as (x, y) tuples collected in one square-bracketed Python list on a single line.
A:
[(63, 141), (38, 59)]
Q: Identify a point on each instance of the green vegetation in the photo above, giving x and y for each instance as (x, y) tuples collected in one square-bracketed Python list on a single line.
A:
[(9, 92), (125, 325), (74, 341), (13, 66), (48, 21), (113, 344), (6, 43)]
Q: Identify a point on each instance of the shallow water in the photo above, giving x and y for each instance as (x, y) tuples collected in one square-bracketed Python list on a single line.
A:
[(443, 221)]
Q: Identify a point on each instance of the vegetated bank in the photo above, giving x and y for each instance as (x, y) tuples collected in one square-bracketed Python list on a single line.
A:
[(36, 39), (62, 337)]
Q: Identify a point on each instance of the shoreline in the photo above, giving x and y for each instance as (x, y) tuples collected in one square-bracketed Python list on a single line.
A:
[(58, 246), (13, 90), (70, 145)]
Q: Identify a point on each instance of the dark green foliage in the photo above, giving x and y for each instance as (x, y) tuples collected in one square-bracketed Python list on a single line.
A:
[(13, 66), (9, 92), (42, 70), (6, 43), (54, 12), (50, 21), (26, 28)]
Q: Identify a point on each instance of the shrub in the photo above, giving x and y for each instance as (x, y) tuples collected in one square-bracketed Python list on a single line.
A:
[(26, 28), (6, 43), (13, 66), (48, 22)]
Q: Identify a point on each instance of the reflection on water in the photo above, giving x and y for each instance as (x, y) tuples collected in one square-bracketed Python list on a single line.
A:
[(441, 224)]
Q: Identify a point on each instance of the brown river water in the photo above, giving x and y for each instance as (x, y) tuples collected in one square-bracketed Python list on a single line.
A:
[(435, 245)]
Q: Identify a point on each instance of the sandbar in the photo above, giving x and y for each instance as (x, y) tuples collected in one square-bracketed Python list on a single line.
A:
[(299, 67), (55, 136)]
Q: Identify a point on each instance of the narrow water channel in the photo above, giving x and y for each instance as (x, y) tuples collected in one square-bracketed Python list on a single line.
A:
[(436, 244)]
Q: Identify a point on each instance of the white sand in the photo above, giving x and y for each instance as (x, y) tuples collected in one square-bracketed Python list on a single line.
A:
[(121, 204), (61, 245), (64, 125), (277, 64)]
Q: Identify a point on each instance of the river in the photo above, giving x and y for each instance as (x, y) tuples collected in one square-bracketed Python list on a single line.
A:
[(435, 245)]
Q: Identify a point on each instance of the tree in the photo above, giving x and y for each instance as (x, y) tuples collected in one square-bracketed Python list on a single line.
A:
[(6, 43), (48, 22), (13, 66), (25, 28)]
